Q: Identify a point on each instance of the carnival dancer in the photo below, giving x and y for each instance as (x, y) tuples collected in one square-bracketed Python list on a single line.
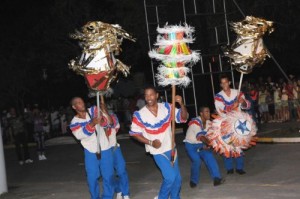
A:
[(122, 183), (197, 148), (226, 101), (83, 127), (152, 126)]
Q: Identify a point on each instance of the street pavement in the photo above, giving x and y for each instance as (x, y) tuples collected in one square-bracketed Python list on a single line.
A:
[(272, 172), (278, 130)]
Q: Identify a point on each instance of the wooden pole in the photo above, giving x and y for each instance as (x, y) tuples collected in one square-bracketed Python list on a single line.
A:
[(240, 84), (240, 87), (103, 102), (102, 99), (173, 124), (98, 153), (212, 80)]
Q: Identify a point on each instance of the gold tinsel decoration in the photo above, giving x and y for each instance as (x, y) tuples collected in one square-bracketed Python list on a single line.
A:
[(100, 43), (248, 49)]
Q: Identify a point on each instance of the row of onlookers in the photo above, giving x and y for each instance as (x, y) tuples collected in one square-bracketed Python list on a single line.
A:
[(274, 101), (36, 125)]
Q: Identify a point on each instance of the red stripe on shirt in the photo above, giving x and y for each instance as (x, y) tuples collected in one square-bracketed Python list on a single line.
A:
[(162, 129)]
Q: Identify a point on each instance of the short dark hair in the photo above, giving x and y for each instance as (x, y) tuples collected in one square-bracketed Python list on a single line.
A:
[(73, 99), (150, 87), (223, 76), (201, 108)]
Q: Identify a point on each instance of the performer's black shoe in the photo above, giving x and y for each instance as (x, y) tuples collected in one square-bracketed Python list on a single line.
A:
[(240, 171), (230, 171), (218, 181), (193, 185)]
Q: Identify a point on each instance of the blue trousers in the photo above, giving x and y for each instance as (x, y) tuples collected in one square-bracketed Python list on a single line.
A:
[(171, 184), (96, 168), (229, 163), (197, 156), (122, 183)]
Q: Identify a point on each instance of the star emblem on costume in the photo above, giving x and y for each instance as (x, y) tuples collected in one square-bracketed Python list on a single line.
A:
[(242, 127)]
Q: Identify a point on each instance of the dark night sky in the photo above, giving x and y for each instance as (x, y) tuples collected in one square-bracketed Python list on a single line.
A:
[(34, 37)]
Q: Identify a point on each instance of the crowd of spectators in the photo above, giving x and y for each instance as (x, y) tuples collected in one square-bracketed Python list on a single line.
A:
[(55, 121), (273, 101), (36, 124)]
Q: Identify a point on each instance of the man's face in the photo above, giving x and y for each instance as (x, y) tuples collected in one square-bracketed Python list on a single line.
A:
[(78, 105), (225, 84), (205, 113), (151, 97)]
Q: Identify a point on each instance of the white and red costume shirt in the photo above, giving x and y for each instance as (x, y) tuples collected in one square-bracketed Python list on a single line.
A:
[(82, 130), (195, 130), (151, 127), (112, 131), (224, 103)]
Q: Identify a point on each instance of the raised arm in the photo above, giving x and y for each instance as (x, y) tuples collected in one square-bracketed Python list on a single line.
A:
[(184, 115)]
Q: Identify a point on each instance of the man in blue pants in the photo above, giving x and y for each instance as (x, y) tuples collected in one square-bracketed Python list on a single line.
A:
[(198, 151), (226, 101), (83, 128), (239, 165), (122, 183), (151, 126)]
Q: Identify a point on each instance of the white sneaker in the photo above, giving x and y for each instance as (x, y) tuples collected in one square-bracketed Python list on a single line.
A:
[(40, 157), (126, 197), (119, 195), (28, 161), (21, 162), (44, 157), (156, 197)]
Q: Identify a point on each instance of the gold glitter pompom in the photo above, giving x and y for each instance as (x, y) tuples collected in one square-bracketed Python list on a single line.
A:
[(100, 43), (248, 50)]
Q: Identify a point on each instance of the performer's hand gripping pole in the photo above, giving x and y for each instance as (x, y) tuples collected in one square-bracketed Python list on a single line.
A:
[(173, 152)]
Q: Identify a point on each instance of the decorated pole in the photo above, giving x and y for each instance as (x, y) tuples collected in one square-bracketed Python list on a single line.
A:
[(248, 50), (100, 43), (173, 123), (174, 55), (236, 131)]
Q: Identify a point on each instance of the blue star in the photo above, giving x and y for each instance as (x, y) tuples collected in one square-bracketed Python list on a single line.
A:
[(243, 126)]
